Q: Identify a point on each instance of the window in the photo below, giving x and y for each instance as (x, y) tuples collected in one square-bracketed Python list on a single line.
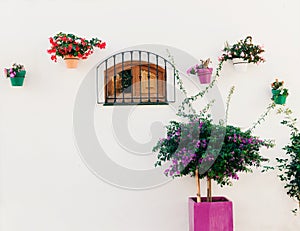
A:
[(135, 77)]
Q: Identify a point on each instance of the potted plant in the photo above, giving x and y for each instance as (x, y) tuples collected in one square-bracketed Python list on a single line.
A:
[(289, 167), (72, 48), (280, 98), (16, 74), (276, 87), (242, 53), (203, 149), (202, 71)]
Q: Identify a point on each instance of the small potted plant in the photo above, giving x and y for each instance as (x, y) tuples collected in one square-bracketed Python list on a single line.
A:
[(280, 98), (202, 149), (16, 74), (72, 48), (242, 53), (202, 71), (276, 86)]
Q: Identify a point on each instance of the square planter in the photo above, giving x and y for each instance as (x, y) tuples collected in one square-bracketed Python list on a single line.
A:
[(210, 216)]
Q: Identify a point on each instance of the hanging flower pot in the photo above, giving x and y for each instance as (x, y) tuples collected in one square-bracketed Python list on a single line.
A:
[(72, 48), (204, 75), (276, 87), (18, 79), (240, 64), (207, 216), (16, 74), (202, 71), (241, 53), (280, 99), (275, 92), (71, 61)]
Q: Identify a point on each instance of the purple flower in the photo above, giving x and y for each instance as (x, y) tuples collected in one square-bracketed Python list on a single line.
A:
[(166, 171), (12, 74), (235, 176)]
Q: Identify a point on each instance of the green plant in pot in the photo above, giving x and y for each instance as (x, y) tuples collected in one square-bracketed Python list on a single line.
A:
[(276, 86), (203, 149), (289, 167), (16, 73), (206, 150), (202, 71), (242, 52), (280, 98)]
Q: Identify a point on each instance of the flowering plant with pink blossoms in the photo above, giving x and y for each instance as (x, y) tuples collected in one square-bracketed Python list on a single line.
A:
[(16, 69), (243, 49), (201, 148), (219, 152)]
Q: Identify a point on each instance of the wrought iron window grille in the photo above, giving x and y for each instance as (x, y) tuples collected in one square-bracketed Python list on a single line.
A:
[(135, 77)]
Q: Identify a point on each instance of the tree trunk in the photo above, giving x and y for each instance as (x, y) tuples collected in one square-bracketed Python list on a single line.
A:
[(209, 194), (198, 186)]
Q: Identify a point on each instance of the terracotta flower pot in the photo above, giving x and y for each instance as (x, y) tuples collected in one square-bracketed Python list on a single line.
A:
[(210, 216), (71, 61), (240, 65), (205, 75)]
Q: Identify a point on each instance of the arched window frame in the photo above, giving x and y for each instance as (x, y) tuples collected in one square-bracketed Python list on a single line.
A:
[(151, 79)]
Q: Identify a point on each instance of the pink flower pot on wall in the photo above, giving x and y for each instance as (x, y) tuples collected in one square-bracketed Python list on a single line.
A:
[(204, 75), (210, 216)]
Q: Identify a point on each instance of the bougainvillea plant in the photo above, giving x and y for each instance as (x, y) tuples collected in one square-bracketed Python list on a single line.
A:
[(12, 71), (289, 167), (218, 152), (63, 44), (203, 149), (243, 49)]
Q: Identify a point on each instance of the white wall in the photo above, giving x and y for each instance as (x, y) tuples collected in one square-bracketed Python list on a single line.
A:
[(44, 184)]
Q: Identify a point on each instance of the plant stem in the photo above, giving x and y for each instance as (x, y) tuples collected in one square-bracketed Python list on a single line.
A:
[(228, 102), (262, 117), (209, 193), (189, 100), (198, 186)]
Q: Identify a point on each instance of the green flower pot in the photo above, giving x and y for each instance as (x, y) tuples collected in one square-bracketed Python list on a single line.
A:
[(18, 80), (280, 99), (275, 92)]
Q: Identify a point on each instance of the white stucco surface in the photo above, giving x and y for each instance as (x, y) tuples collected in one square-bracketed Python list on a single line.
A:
[(44, 182)]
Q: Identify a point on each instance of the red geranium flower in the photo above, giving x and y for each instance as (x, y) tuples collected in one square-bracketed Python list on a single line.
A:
[(102, 45), (68, 44)]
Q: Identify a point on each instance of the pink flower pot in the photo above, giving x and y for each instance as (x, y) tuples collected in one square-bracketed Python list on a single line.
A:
[(210, 216), (205, 75)]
